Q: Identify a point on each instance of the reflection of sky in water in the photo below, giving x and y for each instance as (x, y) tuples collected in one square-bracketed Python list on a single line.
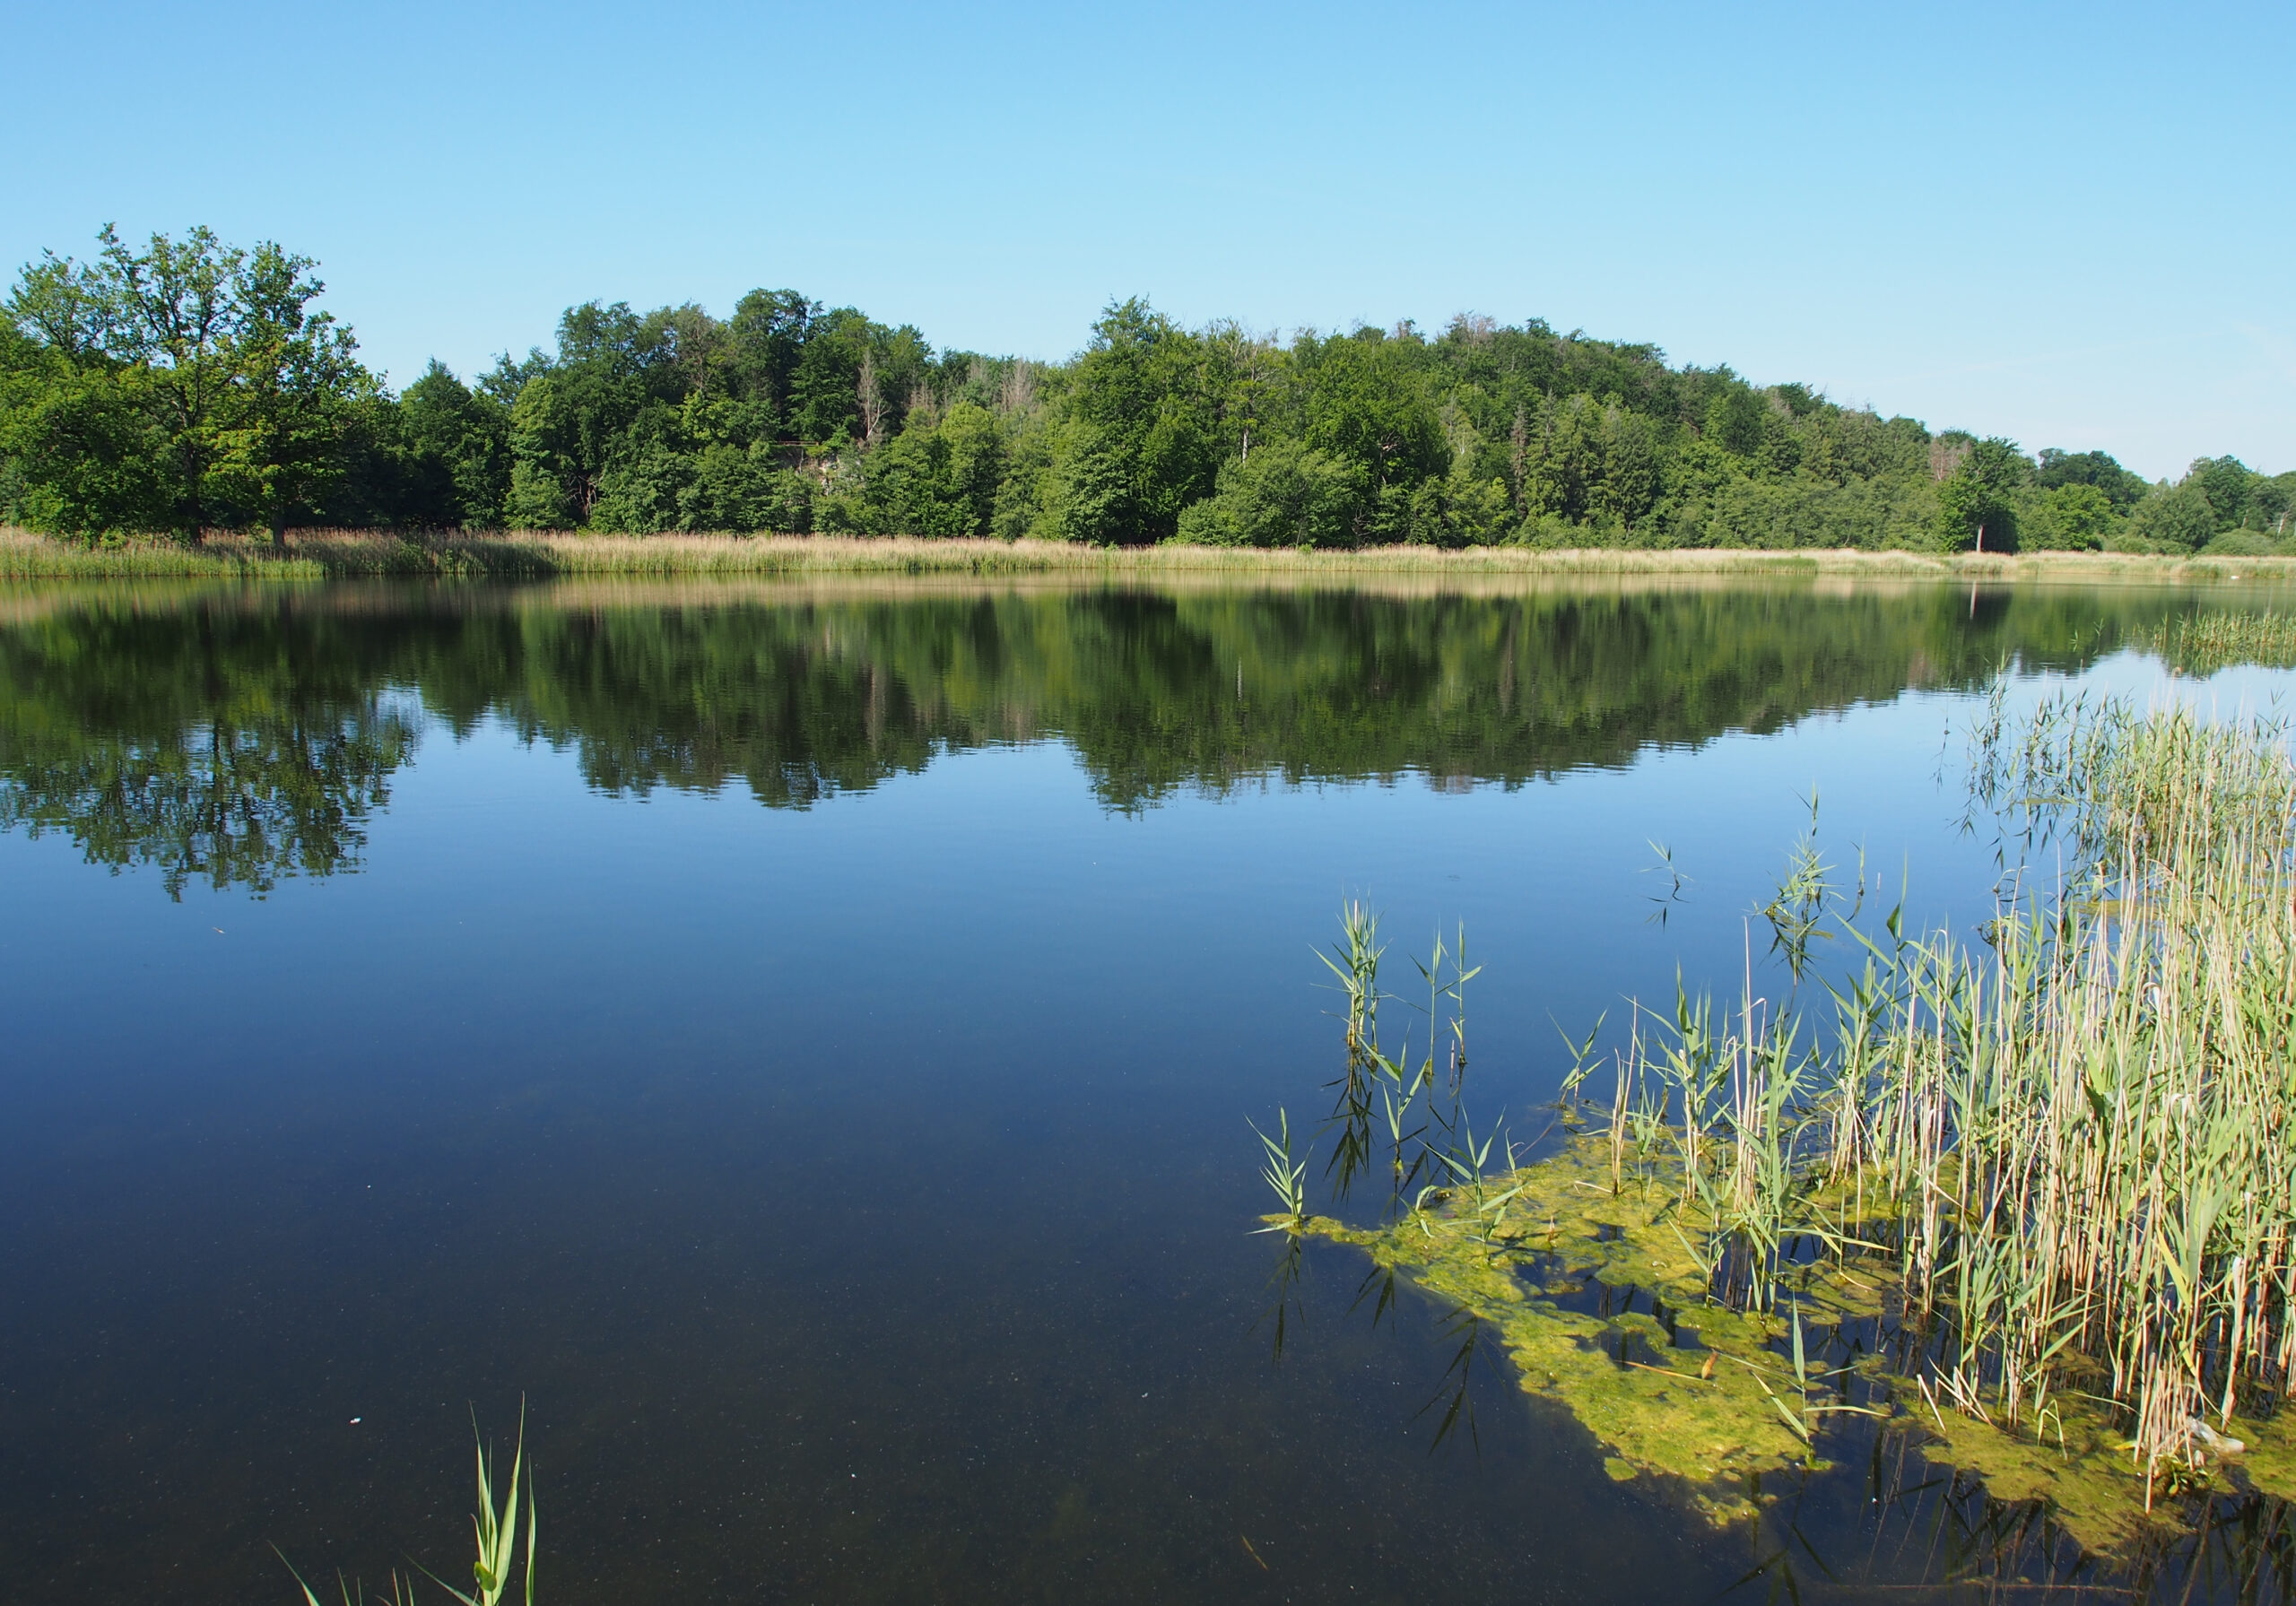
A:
[(859, 1193)]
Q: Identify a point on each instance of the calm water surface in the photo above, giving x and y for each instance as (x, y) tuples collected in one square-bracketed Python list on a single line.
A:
[(801, 1039)]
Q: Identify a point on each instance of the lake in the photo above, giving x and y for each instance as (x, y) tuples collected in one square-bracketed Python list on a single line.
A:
[(799, 1039)]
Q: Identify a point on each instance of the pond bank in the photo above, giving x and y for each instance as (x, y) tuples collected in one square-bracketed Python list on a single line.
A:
[(325, 554)]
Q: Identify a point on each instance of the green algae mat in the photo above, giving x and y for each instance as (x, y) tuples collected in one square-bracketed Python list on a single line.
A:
[(1587, 1278)]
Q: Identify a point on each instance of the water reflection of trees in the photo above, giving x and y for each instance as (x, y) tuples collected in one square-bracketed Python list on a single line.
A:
[(233, 803), (208, 742), (236, 737), (1161, 692)]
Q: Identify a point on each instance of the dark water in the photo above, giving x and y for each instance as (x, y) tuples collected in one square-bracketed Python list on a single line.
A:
[(800, 1040)]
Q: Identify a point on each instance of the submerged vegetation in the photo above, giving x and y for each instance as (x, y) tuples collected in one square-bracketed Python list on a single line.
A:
[(2031, 1197), (185, 387)]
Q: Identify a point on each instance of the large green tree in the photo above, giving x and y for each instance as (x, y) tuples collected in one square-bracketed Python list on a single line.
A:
[(458, 443), (1143, 404), (185, 385), (1367, 402), (293, 379), (1976, 506)]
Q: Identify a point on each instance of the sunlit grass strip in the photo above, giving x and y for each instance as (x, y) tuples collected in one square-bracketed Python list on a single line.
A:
[(2203, 644), (24, 556), (311, 554)]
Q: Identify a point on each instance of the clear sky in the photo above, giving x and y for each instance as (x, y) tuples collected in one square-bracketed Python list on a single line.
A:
[(2069, 224)]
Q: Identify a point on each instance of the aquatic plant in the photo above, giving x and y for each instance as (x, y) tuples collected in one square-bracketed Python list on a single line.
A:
[(1285, 1176), (495, 1527), (2038, 1187), (2201, 643), (1409, 1100)]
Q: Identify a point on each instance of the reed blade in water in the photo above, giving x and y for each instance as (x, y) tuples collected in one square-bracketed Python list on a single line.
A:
[(495, 1527), (1286, 1178)]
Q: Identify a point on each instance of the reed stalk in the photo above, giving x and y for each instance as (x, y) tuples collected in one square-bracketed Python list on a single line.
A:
[(495, 1528), (2201, 643), (2077, 1130), (2072, 1138)]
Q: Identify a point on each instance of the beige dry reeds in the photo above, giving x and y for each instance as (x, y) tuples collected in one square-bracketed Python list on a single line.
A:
[(527, 554)]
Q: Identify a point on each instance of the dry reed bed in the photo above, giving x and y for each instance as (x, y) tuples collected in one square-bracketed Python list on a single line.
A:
[(312, 554)]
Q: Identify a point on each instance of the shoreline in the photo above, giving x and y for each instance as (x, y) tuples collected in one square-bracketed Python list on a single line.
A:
[(324, 555)]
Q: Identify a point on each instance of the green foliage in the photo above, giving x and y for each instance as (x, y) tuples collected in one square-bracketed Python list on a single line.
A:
[(1734, 421), (1976, 504), (2179, 520), (1286, 493), (2122, 489), (83, 447), (1460, 510), (2225, 483), (1592, 464), (293, 374), (194, 385), (1366, 403), (1144, 398), (185, 386), (2069, 517), (937, 477), (457, 446)]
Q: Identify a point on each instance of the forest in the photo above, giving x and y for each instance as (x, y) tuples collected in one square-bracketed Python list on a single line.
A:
[(188, 386)]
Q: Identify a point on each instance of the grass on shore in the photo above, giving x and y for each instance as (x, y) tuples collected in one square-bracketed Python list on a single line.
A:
[(322, 554), (2036, 1192)]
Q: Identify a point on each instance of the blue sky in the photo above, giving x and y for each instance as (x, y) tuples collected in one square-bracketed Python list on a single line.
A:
[(2072, 225)]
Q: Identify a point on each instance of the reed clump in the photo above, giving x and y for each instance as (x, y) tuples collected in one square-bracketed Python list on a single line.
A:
[(2202, 644), (2035, 1189)]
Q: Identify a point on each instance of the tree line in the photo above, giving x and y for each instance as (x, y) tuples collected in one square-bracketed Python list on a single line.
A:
[(189, 385)]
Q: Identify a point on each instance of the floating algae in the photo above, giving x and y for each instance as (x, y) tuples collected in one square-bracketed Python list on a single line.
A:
[(1641, 1385), (1598, 1301)]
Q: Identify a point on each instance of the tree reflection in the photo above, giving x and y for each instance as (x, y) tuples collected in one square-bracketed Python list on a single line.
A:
[(233, 737), (231, 802), (218, 743)]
